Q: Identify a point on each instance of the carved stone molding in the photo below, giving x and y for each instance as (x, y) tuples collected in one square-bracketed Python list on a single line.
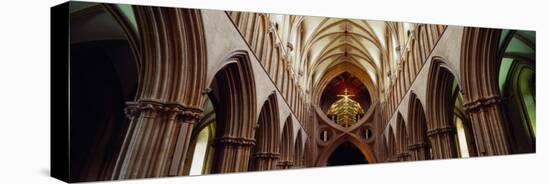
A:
[(236, 141), (175, 110), (418, 146), (267, 155), (479, 103), (481, 90), (438, 131), (285, 164)]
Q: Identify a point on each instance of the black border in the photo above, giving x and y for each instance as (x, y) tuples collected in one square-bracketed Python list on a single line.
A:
[(59, 92)]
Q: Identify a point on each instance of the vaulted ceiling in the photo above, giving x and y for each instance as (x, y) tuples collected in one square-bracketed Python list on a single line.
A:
[(320, 43)]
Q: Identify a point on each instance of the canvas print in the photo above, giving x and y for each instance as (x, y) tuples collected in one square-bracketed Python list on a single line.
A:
[(165, 91)]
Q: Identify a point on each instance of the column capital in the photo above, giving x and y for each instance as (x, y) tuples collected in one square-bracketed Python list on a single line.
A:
[(418, 146), (477, 104), (285, 163), (238, 141), (174, 110), (267, 155), (438, 131)]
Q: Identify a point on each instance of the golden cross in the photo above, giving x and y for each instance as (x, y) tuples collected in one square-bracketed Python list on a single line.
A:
[(346, 95)]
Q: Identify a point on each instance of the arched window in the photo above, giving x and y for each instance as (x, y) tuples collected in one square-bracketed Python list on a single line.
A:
[(461, 135), (104, 77), (464, 133), (201, 152), (517, 86), (201, 149), (527, 92)]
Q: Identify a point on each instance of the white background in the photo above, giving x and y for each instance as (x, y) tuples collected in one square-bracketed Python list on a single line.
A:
[(25, 90)]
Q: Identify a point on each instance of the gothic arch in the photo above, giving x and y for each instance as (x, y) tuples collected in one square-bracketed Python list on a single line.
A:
[(365, 150), (402, 137), (517, 74), (162, 76), (384, 151), (441, 130), (336, 71), (480, 66), (286, 148), (267, 136), (103, 77), (165, 107), (392, 146), (298, 150), (126, 25), (234, 101), (522, 132), (419, 144)]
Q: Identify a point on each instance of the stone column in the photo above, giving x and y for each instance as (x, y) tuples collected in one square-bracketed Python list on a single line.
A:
[(185, 124), (488, 126), (233, 154), (443, 142), (480, 66), (170, 91), (156, 140), (420, 151)]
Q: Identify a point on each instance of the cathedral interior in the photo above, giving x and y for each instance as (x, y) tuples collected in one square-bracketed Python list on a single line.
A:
[(158, 91)]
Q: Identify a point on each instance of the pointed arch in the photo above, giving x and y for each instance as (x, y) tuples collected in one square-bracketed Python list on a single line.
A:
[(419, 144), (521, 97), (441, 130), (286, 148), (392, 146), (322, 160), (104, 75), (517, 74), (402, 137), (161, 76), (267, 136), (385, 151), (234, 99), (165, 103), (480, 65), (128, 26), (298, 150), (336, 71)]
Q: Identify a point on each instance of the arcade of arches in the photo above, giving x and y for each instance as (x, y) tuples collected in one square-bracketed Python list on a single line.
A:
[(172, 91)]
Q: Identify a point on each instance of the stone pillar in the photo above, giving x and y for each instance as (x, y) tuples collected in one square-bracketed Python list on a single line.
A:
[(488, 126), (298, 163), (482, 102), (443, 142), (233, 154), (265, 160), (172, 79), (156, 140), (420, 151), (185, 123)]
